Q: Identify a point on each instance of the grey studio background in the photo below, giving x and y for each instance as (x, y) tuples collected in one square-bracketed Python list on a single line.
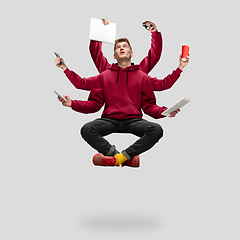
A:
[(187, 186)]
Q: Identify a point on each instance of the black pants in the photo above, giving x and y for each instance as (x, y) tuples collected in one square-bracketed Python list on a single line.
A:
[(149, 133)]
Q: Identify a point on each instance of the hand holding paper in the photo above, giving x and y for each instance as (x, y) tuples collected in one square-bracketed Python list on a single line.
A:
[(102, 30)]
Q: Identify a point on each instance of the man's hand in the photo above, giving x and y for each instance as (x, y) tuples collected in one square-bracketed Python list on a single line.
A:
[(67, 103), (152, 28), (106, 21), (63, 65), (183, 63), (174, 113)]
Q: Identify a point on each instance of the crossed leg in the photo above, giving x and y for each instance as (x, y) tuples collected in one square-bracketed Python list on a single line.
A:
[(93, 133)]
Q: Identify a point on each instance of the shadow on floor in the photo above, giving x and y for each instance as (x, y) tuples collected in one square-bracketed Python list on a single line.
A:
[(116, 222)]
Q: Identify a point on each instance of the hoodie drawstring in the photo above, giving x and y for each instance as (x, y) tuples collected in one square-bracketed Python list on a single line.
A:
[(117, 76), (126, 77)]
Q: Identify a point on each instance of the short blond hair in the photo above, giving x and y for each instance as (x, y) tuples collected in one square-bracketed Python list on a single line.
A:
[(122, 40)]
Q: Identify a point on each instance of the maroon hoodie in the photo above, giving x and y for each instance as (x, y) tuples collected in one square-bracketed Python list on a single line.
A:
[(124, 91)]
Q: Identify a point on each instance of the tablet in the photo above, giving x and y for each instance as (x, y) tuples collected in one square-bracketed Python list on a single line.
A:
[(176, 106), (102, 33)]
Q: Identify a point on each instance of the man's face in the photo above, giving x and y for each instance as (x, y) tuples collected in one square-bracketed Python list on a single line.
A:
[(123, 51)]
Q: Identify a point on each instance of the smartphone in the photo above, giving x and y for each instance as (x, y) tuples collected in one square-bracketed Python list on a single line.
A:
[(58, 56), (58, 94), (146, 26)]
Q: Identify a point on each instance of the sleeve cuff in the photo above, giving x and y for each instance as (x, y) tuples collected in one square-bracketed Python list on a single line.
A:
[(74, 104), (179, 70), (66, 71), (156, 32)]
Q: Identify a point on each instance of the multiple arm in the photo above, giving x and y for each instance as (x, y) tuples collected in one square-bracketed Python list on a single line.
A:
[(89, 83), (96, 100), (96, 97), (146, 65)]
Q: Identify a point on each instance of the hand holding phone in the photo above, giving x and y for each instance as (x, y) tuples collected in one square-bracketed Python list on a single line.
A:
[(150, 26), (66, 101), (146, 26), (58, 56), (59, 95)]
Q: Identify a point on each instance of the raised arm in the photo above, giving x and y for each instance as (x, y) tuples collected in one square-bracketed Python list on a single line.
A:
[(165, 83), (169, 80), (75, 79), (98, 58), (154, 54)]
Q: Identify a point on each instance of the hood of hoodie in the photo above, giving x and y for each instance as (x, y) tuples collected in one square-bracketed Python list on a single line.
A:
[(131, 68)]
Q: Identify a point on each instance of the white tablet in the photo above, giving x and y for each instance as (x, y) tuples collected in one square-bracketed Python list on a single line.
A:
[(176, 106), (102, 33)]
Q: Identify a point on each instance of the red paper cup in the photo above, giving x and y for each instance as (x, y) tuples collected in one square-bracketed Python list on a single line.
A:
[(185, 52)]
